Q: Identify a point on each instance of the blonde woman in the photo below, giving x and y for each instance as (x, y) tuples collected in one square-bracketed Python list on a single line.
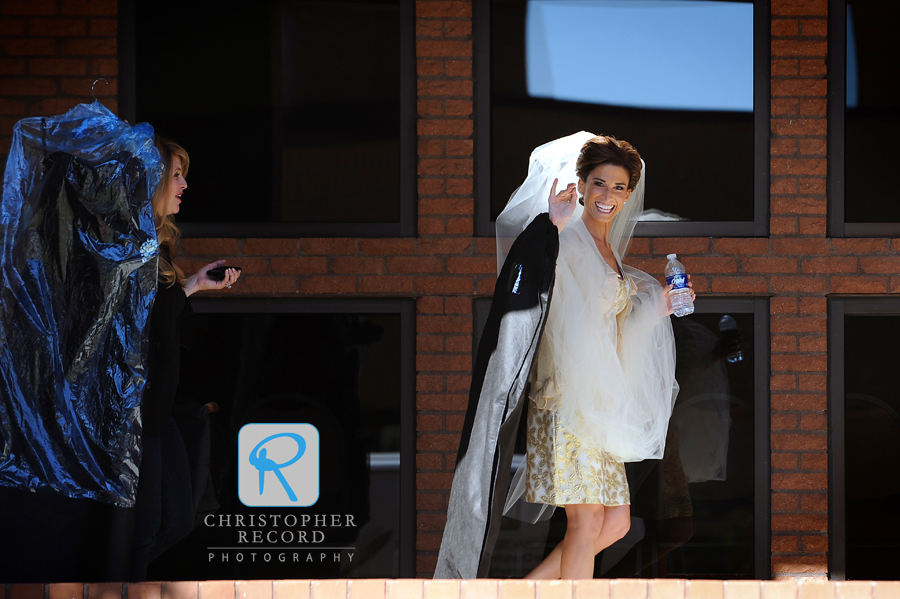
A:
[(164, 504)]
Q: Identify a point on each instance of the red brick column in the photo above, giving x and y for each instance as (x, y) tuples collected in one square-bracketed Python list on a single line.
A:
[(446, 211), (51, 51), (799, 265)]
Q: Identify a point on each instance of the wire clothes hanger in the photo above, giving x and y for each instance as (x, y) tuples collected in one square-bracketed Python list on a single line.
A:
[(93, 85)]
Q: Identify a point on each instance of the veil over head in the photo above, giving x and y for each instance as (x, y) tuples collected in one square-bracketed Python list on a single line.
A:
[(556, 160)]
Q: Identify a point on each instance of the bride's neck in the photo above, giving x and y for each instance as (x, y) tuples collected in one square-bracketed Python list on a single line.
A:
[(599, 231)]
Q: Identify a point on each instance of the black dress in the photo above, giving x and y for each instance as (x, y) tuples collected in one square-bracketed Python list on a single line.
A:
[(164, 510)]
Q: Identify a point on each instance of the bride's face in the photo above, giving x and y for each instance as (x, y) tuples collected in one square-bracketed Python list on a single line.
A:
[(605, 192)]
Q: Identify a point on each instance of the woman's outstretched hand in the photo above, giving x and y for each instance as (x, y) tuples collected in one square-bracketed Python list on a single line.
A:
[(668, 300), (200, 281), (562, 204)]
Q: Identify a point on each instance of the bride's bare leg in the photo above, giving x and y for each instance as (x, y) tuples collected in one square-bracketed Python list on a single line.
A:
[(614, 523), (576, 560), (549, 568)]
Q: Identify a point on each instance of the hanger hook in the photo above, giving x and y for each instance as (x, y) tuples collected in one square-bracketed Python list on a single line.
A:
[(95, 85)]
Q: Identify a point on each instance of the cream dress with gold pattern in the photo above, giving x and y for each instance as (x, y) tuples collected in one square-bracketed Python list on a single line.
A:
[(560, 468)]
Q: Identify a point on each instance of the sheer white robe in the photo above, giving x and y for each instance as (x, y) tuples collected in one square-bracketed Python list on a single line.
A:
[(618, 387), (612, 379)]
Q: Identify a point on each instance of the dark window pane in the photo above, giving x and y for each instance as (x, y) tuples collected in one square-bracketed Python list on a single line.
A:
[(340, 96), (872, 454), (338, 372), (290, 110), (673, 78), (693, 511), (873, 111)]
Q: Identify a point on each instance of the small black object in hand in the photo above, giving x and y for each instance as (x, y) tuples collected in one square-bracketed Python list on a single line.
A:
[(218, 273)]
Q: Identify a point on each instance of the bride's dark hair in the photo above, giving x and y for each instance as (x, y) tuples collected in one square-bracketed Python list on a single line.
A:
[(606, 149)]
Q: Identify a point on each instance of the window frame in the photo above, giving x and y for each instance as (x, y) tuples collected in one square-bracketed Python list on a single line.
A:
[(406, 309), (758, 227), (762, 472), (837, 107), (404, 227), (840, 306), (837, 100)]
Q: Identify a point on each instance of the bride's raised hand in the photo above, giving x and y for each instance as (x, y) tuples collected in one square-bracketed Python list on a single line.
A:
[(562, 204)]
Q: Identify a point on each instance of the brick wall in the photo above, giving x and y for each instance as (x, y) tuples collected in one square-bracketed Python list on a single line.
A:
[(51, 51), (798, 208)]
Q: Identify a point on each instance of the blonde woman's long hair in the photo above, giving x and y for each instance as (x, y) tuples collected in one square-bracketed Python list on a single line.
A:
[(167, 232)]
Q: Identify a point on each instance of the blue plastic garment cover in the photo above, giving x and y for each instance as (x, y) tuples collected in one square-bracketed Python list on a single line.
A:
[(79, 268)]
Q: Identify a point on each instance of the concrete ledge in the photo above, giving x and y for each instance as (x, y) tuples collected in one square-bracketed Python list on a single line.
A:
[(664, 588)]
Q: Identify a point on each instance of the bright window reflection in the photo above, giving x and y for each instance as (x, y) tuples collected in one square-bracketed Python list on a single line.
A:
[(682, 55), (674, 78)]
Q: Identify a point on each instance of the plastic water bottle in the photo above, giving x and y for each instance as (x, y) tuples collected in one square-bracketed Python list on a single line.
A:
[(680, 295), (729, 330)]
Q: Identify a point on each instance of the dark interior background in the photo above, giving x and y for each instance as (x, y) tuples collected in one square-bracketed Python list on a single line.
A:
[(873, 126), (289, 109), (338, 372), (872, 447)]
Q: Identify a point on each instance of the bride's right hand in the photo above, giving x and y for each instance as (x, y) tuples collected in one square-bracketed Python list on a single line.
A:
[(562, 204)]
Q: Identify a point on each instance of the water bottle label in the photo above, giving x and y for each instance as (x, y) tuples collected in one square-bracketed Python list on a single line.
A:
[(679, 281)]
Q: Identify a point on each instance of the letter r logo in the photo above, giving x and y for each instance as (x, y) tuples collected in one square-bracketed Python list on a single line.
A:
[(278, 465)]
